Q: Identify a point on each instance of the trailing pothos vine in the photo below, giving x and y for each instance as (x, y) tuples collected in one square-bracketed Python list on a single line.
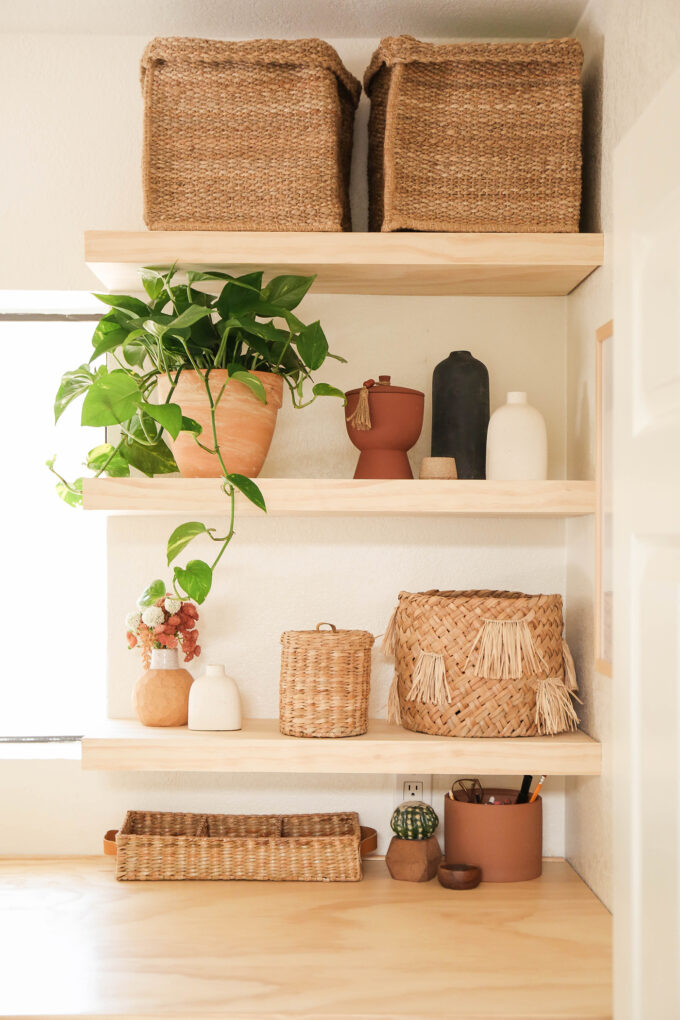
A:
[(245, 328)]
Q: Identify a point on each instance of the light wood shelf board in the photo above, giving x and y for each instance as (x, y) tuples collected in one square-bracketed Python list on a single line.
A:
[(324, 497), (360, 263), (537, 950), (126, 745)]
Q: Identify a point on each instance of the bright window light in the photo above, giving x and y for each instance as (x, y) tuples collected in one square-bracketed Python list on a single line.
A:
[(53, 587)]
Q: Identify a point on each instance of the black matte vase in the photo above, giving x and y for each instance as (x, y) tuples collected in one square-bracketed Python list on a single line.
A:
[(460, 413)]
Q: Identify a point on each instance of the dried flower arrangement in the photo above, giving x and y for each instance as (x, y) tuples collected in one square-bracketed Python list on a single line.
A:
[(168, 623)]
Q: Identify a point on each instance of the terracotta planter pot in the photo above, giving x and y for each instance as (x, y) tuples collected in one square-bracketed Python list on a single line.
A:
[(161, 694), (245, 426), (504, 840), (396, 418)]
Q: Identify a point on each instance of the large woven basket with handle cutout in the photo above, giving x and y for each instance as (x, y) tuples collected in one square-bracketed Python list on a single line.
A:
[(480, 664)]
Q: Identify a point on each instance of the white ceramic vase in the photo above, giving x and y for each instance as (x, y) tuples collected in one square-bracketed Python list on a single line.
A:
[(214, 701), (517, 444)]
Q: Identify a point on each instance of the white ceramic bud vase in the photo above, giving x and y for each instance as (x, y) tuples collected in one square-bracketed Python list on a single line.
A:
[(214, 701), (517, 444)]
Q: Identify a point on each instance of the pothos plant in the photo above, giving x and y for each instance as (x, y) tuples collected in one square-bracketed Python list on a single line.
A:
[(245, 328)]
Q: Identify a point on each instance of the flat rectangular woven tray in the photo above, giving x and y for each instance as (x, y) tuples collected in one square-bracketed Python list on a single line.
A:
[(167, 846)]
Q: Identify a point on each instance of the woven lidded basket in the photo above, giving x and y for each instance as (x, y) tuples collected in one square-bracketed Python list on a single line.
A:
[(475, 136), (157, 846), (325, 679), (480, 664), (246, 135)]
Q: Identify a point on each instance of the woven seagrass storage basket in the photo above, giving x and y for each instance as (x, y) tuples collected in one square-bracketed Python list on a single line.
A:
[(475, 136), (325, 679), (164, 846), (246, 135), (480, 664)]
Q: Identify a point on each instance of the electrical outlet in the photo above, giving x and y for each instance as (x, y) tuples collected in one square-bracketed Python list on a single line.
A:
[(412, 788)]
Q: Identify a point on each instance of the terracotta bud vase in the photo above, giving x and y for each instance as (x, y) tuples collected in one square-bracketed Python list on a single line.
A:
[(384, 422), (161, 694), (245, 426)]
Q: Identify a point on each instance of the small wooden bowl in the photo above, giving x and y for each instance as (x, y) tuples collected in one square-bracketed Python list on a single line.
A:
[(438, 467), (459, 876)]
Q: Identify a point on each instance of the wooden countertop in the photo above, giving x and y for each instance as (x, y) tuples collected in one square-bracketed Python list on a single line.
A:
[(78, 943)]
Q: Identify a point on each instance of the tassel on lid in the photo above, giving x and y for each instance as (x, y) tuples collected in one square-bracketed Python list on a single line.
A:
[(555, 712), (428, 684), (506, 651), (360, 419)]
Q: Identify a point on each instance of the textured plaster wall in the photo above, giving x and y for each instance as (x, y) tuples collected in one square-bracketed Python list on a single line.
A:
[(631, 47)]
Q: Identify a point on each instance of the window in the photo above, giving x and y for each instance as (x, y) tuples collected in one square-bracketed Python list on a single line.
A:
[(53, 557)]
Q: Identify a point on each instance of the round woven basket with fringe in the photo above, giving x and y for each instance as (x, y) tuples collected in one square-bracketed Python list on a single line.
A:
[(325, 679), (480, 664)]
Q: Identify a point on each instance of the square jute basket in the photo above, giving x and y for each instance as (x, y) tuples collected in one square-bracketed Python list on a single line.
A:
[(246, 135), (480, 664), (166, 846), (482, 137), (325, 680)]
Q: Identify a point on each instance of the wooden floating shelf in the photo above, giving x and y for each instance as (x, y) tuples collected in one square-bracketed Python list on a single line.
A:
[(335, 497), (82, 945), (360, 263), (126, 745)]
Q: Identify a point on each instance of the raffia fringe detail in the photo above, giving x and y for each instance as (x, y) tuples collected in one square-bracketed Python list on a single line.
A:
[(393, 706), (506, 651), (389, 641), (360, 419), (555, 712), (570, 681), (428, 684)]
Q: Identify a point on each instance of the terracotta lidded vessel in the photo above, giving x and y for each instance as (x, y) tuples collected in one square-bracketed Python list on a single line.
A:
[(384, 422), (161, 694), (245, 426)]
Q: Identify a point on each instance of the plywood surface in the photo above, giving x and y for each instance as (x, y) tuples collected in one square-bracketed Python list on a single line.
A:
[(360, 263), (84, 945), (126, 745), (323, 497)]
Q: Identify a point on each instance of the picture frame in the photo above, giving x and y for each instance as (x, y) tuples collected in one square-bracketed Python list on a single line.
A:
[(604, 594)]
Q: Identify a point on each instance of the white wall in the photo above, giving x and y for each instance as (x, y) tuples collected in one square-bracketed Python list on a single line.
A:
[(72, 125), (630, 47)]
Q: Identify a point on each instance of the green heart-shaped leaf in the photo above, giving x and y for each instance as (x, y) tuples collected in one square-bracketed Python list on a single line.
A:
[(167, 415), (322, 389), (287, 291), (249, 380), (249, 489), (195, 579), (312, 345), (116, 466), (68, 496), (150, 595), (181, 537), (112, 398), (72, 385)]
